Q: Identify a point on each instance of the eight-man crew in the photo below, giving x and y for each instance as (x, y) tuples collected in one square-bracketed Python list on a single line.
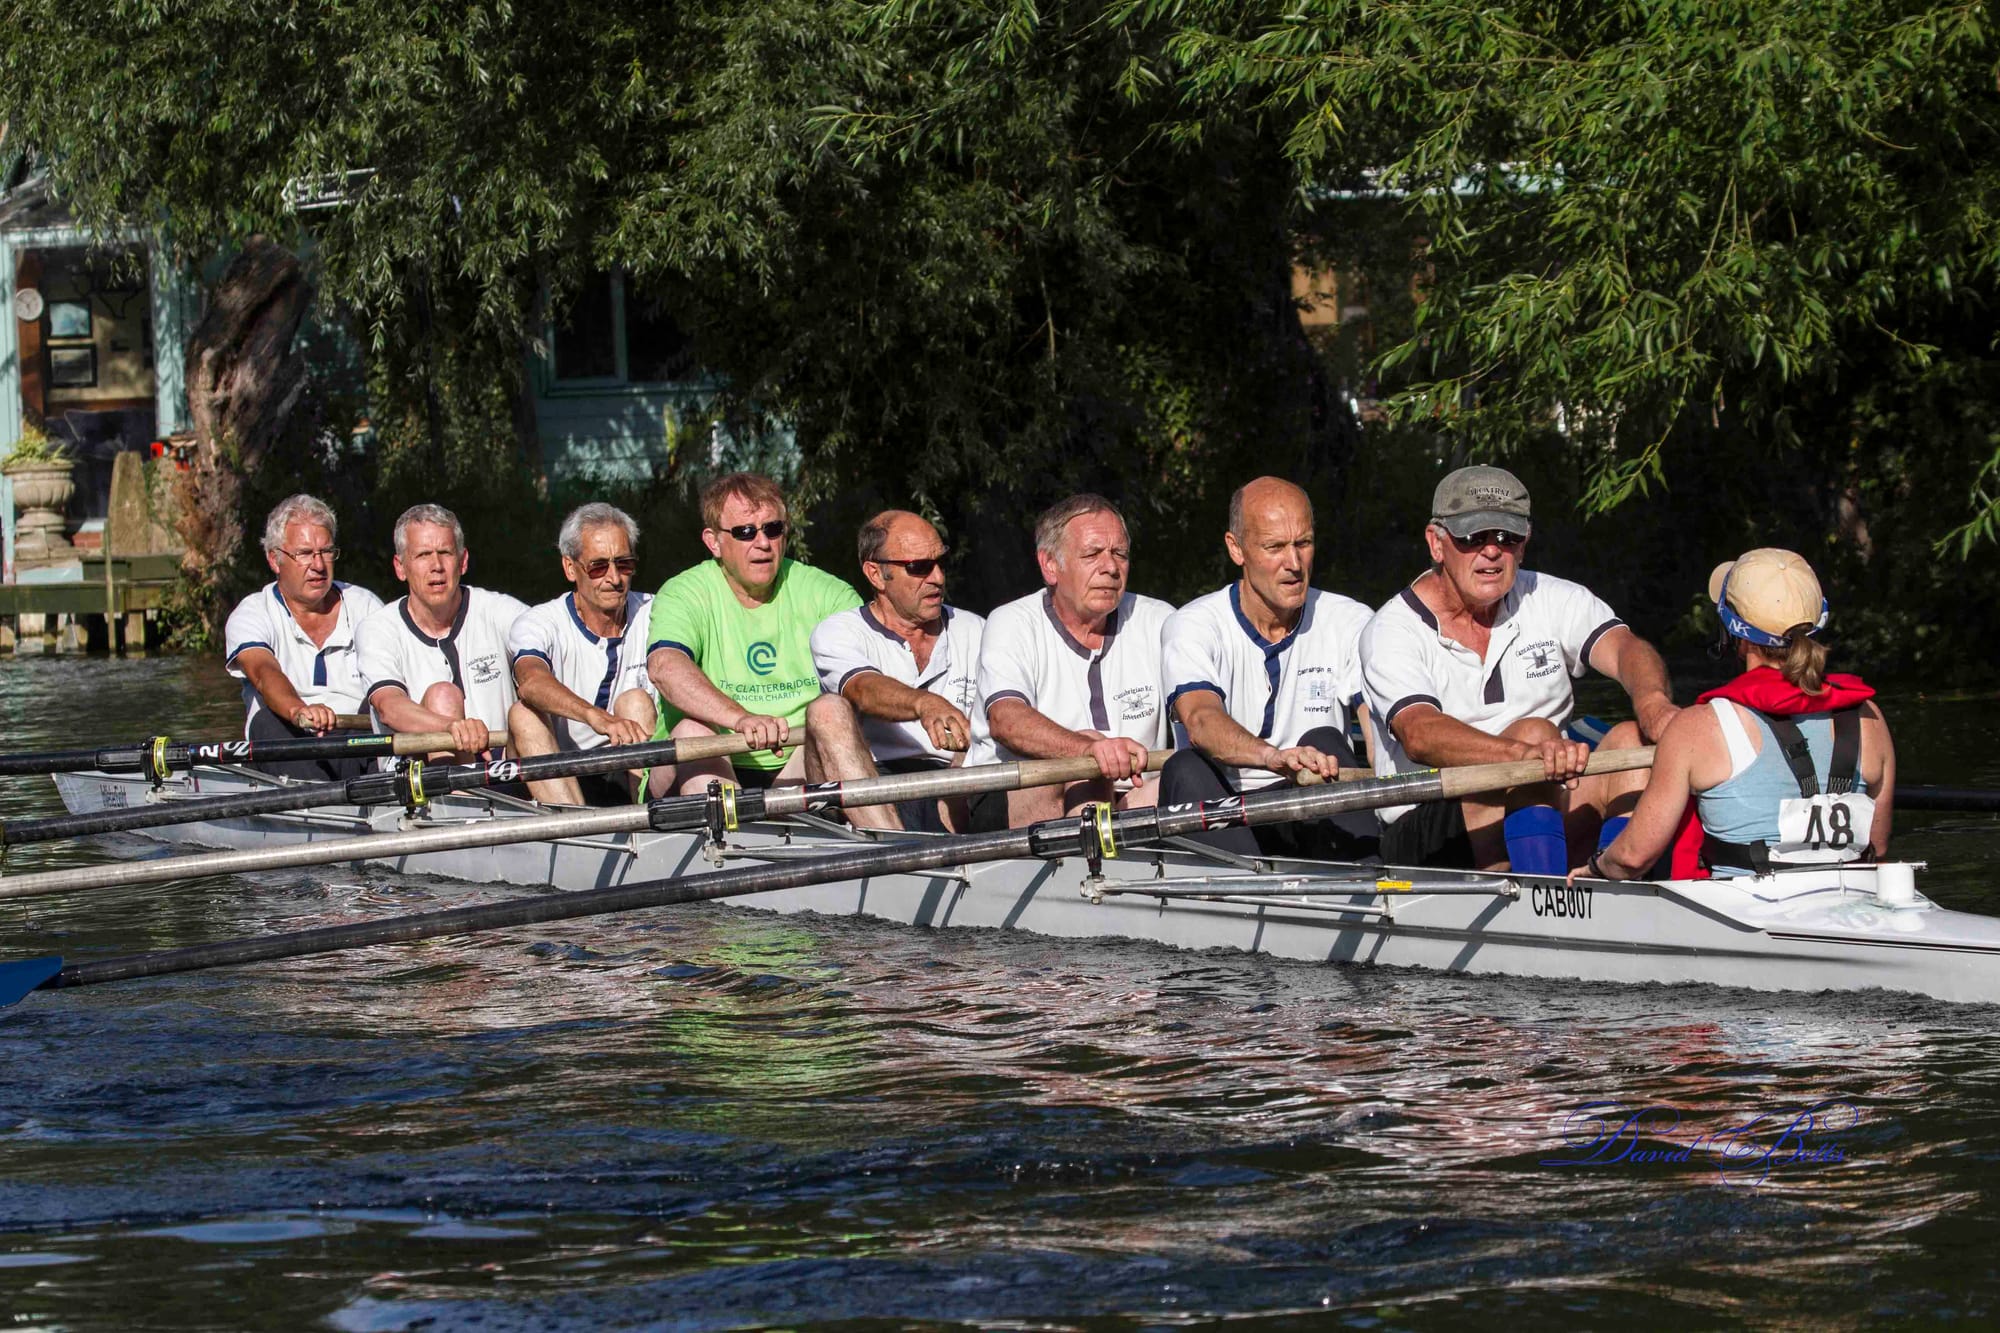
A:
[(580, 659), (731, 650), (909, 664), (1472, 663), (292, 642), (435, 659), (1264, 677), (1075, 668)]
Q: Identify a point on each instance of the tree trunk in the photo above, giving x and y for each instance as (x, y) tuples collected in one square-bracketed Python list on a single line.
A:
[(244, 378)]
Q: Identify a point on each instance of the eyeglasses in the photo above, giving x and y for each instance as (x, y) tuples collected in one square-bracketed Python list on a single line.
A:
[(918, 569), (747, 532), (326, 553), (596, 569), (1479, 541)]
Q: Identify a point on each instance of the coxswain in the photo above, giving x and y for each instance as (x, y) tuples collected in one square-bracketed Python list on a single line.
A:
[(1471, 664), (1785, 764), (579, 661), (908, 663), (435, 659), (1264, 679), (731, 650), (292, 642), (1074, 669)]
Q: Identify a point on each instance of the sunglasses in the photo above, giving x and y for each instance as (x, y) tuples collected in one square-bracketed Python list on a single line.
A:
[(1479, 541), (747, 532), (598, 568), (918, 569)]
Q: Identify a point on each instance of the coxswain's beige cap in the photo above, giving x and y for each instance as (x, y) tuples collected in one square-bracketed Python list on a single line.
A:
[(1480, 499), (1770, 589)]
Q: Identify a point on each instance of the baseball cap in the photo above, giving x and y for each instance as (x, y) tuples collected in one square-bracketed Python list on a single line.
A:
[(1763, 593), (1479, 499)]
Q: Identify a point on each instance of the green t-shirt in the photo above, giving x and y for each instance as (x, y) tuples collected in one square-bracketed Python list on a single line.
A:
[(759, 656)]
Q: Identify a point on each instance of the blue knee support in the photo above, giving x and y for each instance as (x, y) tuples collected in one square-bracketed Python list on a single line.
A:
[(1535, 841), (1612, 828)]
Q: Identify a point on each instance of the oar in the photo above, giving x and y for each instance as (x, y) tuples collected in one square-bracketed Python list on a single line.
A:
[(411, 786), (726, 809), (159, 756), (1974, 800), (1098, 832)]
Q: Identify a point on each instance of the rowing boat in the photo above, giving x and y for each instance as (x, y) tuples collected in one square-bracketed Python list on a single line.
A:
[(1832, 928)]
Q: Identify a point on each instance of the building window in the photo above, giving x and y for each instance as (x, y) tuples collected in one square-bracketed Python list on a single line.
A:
[(610, 333)]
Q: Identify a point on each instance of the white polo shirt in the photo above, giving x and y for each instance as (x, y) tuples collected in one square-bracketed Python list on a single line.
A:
[(472, 655), (328, 673), (1543, 633), (594, 669), (849, 643), (1029, 656), (1275, 691)]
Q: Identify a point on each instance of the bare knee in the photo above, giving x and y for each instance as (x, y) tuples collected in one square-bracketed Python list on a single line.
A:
[(636, 706), (831, 714), (1532, 730), (688, 727), (445, 699), (1623, 736)]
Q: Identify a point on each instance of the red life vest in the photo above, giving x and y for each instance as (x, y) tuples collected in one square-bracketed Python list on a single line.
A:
[(1766, 690)]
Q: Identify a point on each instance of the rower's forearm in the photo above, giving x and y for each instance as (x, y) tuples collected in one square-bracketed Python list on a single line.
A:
[(683, 686), (1441, 742), (401, 713), (274, 687), (548, 696), (876, 695), (1227, 741), (1024, 731)]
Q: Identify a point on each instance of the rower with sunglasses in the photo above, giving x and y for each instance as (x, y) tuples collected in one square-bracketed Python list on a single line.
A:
[(580, 660), (909, 664), (730, 649), (1471, 664)]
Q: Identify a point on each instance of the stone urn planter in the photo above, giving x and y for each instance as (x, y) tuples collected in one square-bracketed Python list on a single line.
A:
[(42, 488)]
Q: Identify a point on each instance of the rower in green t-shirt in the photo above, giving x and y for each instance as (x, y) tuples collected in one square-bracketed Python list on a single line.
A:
[(730, 649)]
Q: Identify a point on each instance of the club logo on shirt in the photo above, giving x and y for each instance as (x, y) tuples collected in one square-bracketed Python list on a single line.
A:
[(1135, 704), (1316, 687), (762, 658), (485, 670), (1543, 658)]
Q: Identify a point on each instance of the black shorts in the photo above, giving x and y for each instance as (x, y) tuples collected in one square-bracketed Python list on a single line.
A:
[(1433, 834), (604, 791), (755, 779)]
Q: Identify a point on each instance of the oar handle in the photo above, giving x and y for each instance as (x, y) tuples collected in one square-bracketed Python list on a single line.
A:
[(713, 747), (419, 743), (1472, 778), (1048, 772), (353, 722)]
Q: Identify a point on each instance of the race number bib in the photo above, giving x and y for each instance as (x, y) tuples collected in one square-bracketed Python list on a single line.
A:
[(1817, 830)]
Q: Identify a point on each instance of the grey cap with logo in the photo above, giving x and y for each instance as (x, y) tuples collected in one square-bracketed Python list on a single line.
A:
[(1480, 499)]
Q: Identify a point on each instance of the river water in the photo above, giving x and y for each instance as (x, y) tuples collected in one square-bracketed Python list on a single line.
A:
[(706, 1118)]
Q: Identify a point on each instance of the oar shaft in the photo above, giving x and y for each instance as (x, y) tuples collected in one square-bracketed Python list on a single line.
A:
[(1969, 800), (163, 756), (1052, 838), (370, 789), (673, 813)]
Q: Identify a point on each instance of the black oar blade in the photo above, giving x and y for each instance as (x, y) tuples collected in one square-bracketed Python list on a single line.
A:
[(30, 974)]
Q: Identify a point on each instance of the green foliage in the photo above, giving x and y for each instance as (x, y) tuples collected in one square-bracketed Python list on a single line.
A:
[(35, 447)]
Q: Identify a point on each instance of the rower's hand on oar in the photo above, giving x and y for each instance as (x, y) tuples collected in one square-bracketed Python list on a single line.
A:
[(1302, 759), (1118, 756), (945, 725), (316, 718), (1562, 760), (763, 733), (618, 730), (468, 735)]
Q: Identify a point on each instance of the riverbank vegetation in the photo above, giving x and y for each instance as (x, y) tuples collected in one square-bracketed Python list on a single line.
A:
[(1710, 275)]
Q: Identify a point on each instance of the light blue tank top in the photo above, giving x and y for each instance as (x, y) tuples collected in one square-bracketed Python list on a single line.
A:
[(1744, 808)]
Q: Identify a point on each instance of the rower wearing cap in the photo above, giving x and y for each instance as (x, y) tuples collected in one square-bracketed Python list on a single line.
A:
[(731, 650), (1264, 678), (436, 658), (580, 660), (292, 641), (1787, 765), (1075, 668), (1471, 664), (909, 664)]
